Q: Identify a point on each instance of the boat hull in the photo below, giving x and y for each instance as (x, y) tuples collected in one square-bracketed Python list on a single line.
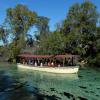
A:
[(60, 70)]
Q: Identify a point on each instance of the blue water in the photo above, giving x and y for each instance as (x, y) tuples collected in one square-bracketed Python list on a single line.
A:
[(21, 84)]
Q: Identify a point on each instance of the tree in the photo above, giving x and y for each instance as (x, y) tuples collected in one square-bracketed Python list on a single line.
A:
[(29, 41), (80, 27), (3, 35), (20, 19), (52, 44), (42, 33), (42, 25)]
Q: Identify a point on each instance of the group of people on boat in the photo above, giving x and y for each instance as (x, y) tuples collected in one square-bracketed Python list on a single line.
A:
[(45, 62), (48, 60), (39, 63)]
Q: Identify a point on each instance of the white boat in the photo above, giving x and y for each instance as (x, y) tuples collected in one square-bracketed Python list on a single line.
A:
[(59, 70)]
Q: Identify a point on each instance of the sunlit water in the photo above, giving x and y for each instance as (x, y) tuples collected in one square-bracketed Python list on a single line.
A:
[(21, 84)]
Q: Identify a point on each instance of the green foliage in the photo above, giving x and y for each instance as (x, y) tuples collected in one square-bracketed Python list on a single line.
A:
[(52, 44), (19, 20), (42, 25), (94, 61), (80, 23), (3, 35), (81, 31)]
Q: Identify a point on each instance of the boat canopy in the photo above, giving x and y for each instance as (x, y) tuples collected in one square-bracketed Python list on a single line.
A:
[(34, 56), (46, 56)]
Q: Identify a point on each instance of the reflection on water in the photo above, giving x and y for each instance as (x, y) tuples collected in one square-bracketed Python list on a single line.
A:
[(33, 85)]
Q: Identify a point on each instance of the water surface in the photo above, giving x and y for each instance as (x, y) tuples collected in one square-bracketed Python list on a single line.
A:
[(21, 84)]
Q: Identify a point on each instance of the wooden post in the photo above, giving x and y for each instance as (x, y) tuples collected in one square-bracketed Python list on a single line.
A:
[(72, 61), (38, 61), (63, 62)]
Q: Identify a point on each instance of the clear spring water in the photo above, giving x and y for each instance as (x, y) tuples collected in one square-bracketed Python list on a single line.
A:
[(24, 84)]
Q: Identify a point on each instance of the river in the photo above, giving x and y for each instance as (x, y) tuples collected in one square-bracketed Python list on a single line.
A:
[(21, 84)]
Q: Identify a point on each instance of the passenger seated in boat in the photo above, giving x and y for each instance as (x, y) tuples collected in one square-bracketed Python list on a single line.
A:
[(31, 62), (23, 61), (59, 65), (41, 64), (49, 64), (52, 64), (69, 61), (35, 64), (45, 64)]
